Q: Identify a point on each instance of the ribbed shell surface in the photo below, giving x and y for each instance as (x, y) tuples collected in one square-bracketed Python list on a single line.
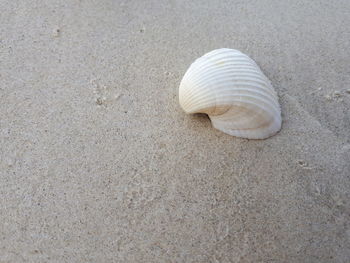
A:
[(230, 87)]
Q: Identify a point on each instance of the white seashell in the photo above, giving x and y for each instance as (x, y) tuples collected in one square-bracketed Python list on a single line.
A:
[(230, 87)]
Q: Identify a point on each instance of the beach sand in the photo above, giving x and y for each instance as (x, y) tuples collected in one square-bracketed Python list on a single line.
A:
[(100, 164)]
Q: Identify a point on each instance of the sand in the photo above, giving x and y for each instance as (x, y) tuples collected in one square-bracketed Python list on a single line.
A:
[(100, 164)]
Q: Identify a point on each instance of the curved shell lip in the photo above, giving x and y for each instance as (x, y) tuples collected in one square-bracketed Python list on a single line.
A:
[(226, 77), (250, 133)]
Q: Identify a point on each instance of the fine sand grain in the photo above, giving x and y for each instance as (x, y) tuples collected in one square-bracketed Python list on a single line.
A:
[(100, 164)]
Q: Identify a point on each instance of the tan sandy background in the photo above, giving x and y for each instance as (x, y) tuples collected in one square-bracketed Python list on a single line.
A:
[(100, 164)]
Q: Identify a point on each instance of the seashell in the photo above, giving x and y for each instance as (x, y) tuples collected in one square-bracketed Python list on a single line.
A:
[(230, 87)]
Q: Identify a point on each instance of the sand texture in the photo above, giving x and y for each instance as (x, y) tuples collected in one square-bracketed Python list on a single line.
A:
[(98, 163)]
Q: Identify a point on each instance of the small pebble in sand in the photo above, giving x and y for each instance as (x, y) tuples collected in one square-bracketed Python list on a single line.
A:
[(99, 101), (328, 97), (56, 32), (337, 94), (302, 163)]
